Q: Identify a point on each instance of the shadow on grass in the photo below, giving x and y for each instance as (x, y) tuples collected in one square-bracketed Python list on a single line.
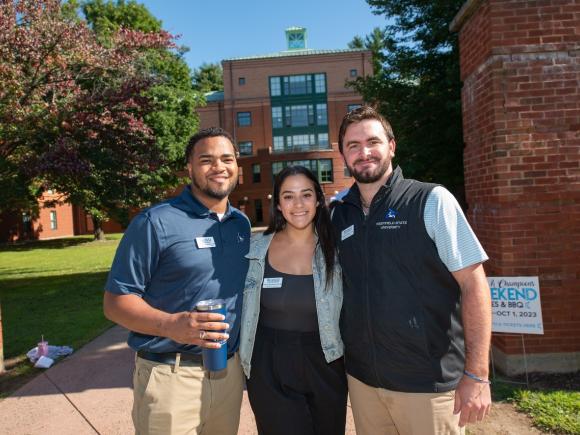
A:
[(29, 245)]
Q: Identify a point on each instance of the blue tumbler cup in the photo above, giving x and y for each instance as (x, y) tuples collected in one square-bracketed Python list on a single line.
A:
[(214, 359)]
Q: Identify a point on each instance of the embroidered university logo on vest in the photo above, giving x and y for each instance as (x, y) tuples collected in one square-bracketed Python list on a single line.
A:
[(391, 222)]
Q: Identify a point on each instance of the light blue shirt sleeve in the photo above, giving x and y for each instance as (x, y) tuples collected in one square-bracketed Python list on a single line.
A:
[(447, 226)]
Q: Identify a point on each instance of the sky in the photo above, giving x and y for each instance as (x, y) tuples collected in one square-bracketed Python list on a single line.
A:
[(221, 29)]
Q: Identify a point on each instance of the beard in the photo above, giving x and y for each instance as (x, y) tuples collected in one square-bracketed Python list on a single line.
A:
[(367, 176), (216, 193)]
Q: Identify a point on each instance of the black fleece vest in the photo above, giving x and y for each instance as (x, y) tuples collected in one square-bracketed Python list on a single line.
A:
[(401, 320)]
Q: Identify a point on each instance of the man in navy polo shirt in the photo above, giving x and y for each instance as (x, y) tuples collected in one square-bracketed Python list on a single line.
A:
[(173, 255)]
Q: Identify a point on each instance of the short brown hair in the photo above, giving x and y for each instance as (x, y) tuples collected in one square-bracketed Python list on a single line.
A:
[(358, 115), (205, 133)]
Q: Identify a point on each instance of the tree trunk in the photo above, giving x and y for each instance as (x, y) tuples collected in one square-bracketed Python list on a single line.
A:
[(2, 368), (98, 229)]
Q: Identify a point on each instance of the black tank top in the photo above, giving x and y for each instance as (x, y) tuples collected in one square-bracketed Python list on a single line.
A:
[(287, 301)]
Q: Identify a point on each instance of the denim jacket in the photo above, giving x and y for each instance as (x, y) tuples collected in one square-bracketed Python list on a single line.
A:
[(328, 302)]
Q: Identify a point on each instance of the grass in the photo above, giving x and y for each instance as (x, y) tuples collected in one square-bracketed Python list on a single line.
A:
[(53, 288), (552, 410)]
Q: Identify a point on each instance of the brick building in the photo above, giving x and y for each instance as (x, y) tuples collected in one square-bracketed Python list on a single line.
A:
[(285, 108), (53, 219), (520, 67)]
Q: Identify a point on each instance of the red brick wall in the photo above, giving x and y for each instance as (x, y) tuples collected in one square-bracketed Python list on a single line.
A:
[(520, 63), (64, 219)]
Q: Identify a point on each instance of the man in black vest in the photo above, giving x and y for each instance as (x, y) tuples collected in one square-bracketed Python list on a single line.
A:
[(416, 318)]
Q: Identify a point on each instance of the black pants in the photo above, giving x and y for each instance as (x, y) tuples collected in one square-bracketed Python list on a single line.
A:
[(292, 389)]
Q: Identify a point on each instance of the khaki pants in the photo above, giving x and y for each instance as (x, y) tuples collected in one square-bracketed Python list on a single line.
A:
[(377, 411), (182, 399)]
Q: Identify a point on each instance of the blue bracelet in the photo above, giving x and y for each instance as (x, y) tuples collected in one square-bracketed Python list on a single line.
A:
[(476, 378)]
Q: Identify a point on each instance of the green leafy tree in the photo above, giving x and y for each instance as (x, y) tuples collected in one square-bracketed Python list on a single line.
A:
[(73, 110), (375, 42), (418, 87), (208, 77), (173, 119)]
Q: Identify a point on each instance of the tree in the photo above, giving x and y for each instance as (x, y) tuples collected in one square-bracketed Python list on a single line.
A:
[(208, 77), (102, 118), (173, 117), (375, 42), (418, 87)]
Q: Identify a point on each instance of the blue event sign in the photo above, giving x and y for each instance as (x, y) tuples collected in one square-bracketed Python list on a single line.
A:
[(515, 304)]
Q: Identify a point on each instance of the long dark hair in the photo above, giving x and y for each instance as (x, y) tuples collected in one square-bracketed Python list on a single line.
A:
[(322, 224)]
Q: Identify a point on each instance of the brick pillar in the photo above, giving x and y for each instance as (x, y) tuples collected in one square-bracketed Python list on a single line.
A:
[(520, 67)]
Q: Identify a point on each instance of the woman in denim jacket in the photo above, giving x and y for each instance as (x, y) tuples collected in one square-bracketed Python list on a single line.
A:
[(291, 349)]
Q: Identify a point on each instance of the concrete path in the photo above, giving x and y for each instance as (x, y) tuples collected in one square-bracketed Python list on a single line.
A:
[(88, 393)]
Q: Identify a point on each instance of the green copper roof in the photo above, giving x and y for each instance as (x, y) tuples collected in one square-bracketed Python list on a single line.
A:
[(306, 52), (214, 96)]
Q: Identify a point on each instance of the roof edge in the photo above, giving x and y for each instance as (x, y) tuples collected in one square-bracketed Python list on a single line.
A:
[(292, 53)]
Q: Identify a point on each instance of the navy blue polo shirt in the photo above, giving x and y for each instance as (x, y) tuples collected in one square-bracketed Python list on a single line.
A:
[(161, 259)]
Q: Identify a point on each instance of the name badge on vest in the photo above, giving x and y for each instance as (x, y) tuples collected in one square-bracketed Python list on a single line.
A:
[(205, 242), (272, 283), (347, 232)]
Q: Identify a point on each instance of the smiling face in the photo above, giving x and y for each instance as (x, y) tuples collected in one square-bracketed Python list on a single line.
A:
[(368, 151), (297, 201), (213, 168)]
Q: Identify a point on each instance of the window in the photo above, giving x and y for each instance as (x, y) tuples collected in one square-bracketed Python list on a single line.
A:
[(256, 173), (259, 210), (322, 168), (351, 107), (319, 83), (241, 81), (299, 142), (278, 143), (53, 223), (353, 73), (277, 167), (245, 148), (244, 119), (321, 114), (325, 171), (297, 116), (277, 117), (275, 89), (297, 85)]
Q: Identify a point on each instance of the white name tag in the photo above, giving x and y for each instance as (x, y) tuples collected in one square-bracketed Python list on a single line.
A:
[(272, 282), (205, 242), (347, 232)]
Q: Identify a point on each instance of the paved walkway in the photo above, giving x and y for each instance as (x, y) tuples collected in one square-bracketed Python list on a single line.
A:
[(89, 392)]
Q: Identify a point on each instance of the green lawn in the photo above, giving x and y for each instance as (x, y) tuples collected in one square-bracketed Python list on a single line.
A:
[(554, 411), (53, 288)]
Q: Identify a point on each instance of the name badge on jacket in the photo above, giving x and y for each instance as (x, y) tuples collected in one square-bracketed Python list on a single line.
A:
[(346, 233)]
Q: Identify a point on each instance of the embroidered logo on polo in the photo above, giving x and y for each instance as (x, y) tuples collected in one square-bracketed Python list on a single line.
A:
[(391, 222)]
